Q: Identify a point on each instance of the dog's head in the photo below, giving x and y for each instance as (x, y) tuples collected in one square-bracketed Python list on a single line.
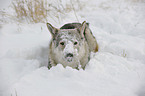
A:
[(68, 42)]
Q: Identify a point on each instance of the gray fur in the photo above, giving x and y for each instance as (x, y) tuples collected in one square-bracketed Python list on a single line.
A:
[(71, 45)]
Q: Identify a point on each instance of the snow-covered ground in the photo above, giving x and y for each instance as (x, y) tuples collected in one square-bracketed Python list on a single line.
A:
[(118, 69)]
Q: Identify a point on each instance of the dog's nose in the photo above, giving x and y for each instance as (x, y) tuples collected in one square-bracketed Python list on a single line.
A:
[(69, 55)]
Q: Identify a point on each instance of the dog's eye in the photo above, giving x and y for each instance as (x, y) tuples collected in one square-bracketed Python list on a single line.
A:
[(61, 43), (75, 43)]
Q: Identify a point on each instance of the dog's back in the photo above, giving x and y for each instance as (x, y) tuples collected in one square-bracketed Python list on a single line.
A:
[(92, 43)]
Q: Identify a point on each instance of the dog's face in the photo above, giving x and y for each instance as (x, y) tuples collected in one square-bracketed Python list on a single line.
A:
[(67, 42)]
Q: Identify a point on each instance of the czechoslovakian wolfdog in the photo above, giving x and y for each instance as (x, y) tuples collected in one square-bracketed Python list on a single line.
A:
[(71, 45)]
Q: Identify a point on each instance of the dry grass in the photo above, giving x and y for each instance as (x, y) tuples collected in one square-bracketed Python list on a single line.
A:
[(32, 10), (39, 10)]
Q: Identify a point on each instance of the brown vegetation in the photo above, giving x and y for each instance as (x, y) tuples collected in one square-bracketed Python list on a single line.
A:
[(39, 10)]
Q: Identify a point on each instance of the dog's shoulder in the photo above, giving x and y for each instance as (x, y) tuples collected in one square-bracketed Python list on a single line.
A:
[(72, 25)]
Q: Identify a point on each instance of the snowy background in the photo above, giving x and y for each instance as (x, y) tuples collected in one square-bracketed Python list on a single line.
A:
[(118, 69)]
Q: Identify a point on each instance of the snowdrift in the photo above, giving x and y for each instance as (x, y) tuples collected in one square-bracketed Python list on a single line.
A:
[(118, 69)]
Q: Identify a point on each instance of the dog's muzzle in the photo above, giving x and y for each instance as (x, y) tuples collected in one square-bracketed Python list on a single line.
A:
[(69, 57)]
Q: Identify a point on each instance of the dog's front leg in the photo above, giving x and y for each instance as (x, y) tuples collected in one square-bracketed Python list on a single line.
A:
[(50, 63)]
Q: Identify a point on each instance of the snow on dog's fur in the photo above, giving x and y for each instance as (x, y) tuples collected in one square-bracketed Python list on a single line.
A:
[(71, 45)]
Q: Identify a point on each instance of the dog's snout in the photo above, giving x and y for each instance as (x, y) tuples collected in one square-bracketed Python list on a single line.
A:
[(69, 55)]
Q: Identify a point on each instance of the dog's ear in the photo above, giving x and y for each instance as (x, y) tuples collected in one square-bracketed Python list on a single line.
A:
[(52, 29), (83, 28)]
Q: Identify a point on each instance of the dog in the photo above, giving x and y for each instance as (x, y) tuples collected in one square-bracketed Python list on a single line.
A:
[(71, 45)]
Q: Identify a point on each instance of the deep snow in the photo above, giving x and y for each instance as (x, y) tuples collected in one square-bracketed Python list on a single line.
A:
[(118, 69)]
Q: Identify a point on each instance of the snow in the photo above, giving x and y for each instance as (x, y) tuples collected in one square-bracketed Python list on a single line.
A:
[(5, 3), (118, 69)]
